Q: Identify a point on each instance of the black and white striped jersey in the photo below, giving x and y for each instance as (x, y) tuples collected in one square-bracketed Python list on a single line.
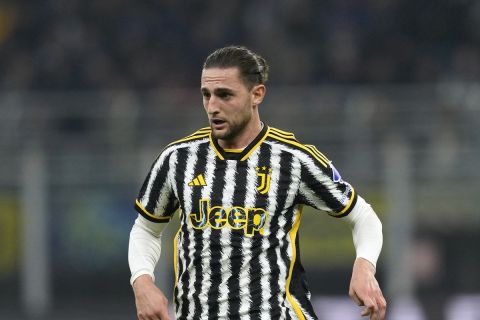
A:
[(236, 251)]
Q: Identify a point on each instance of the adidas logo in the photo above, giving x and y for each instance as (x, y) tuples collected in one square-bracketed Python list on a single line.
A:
[(198, 181)]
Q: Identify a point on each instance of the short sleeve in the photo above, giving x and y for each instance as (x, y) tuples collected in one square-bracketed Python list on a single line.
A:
[(322, 187), (156, 200)]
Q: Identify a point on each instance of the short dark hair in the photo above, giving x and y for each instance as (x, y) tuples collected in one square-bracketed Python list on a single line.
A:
[(253, 67)]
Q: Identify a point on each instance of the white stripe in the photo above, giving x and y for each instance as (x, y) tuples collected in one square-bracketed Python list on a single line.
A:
[(206, 254), (171, 173), (171, 178), (244, 276), (163, 200), (251, 188), (165, 192), (187, 200), (226, 233)]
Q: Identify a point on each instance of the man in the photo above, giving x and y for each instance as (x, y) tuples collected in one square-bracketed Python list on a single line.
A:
[(240, 186)]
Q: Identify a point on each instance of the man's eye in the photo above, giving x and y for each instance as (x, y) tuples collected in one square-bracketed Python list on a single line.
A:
[(206, 95), (224, 95)]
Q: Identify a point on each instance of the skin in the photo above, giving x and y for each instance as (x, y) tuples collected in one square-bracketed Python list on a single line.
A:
[(231, 107), (150, 301), (365, 291), (232, 110)]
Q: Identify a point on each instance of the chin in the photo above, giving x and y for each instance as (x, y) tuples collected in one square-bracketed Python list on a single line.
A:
[(219, 134), (223, 134)]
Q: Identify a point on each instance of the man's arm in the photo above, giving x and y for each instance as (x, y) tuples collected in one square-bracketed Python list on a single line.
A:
[(143, 254), (368, 240)]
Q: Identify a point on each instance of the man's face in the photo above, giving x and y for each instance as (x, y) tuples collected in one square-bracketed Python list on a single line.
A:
[(227, 101)]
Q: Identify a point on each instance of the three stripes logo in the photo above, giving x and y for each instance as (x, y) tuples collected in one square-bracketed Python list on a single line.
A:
[(263, 174), (198, 181)]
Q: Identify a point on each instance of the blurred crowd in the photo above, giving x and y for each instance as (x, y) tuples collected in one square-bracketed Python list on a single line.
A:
[(116, 44)]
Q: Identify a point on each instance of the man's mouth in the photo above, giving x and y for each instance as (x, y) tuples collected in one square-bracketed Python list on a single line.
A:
[(217, 122)]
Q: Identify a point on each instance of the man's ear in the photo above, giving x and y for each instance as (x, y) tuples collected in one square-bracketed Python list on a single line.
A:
[(258, 93)]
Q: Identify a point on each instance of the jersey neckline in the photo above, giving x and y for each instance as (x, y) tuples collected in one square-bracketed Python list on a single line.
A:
[(222, 154)]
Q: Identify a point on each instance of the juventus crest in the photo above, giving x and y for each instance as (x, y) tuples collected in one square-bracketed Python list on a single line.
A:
[(263, 174)]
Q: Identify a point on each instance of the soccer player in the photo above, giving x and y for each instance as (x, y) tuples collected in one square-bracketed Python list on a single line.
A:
[(240, 186)]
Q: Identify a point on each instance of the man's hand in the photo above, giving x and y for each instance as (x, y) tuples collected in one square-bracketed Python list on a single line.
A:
[(365, 291), (150, 301)]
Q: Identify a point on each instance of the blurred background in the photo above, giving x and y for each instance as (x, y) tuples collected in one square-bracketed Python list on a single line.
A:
[(91, 91)]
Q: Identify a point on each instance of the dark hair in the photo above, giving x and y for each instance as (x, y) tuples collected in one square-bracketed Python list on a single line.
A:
[(253, 68)]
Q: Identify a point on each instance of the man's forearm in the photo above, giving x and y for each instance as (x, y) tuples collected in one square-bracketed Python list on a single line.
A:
[(144, 248), (366, 231)]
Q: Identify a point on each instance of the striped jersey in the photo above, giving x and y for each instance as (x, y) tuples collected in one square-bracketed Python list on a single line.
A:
[(236, 251)]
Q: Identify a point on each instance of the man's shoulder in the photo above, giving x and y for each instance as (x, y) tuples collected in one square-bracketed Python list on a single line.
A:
[(296, 147), (202, 134), (284, 137), (276, 132)]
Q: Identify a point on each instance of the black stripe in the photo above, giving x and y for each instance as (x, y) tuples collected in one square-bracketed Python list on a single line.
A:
[(236, 239), (286, 162), (200, 168), (141, 193), (172, 205), (215, 241), (256, 272)]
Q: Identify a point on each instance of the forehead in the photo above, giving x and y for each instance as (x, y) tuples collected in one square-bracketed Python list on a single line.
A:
[(221, 77)]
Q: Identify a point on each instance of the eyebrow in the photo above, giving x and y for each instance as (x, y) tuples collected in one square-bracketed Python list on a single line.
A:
[(217, 91)]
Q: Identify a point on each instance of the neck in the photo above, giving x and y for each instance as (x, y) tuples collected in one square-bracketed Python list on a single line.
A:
[(244, 138)]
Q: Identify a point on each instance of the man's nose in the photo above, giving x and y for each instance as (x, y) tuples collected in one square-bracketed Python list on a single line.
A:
[(212, 105)]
